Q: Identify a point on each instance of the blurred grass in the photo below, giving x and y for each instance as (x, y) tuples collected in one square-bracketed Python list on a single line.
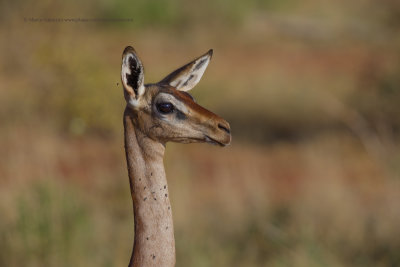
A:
[(45, 228), (311, 90)]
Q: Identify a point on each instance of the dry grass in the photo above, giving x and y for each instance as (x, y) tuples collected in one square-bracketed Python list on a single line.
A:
[(311, 91), (317, 203)]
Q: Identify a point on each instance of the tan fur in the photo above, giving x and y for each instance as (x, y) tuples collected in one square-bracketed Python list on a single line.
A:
[(154, 243), (146, 132)]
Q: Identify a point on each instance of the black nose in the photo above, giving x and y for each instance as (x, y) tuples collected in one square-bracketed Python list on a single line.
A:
[(224, 128)]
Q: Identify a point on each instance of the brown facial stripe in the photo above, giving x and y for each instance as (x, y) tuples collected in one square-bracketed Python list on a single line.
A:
[(189, 101), (189, 95)]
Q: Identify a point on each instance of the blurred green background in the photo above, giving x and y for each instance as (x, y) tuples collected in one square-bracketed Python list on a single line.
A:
[(312, 92)]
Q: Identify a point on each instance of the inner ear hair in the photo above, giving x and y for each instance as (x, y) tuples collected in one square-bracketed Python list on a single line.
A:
[(132, 73), (133, 77), (187, 76)]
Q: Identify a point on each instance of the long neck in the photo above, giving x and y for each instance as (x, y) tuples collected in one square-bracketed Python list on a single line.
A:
[(154, 243)]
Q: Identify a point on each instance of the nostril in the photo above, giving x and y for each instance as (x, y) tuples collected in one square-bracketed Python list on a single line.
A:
[(223, 128)]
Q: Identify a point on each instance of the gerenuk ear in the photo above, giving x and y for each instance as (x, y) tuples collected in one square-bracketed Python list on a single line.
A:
[(132, 75), (186, 77)]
